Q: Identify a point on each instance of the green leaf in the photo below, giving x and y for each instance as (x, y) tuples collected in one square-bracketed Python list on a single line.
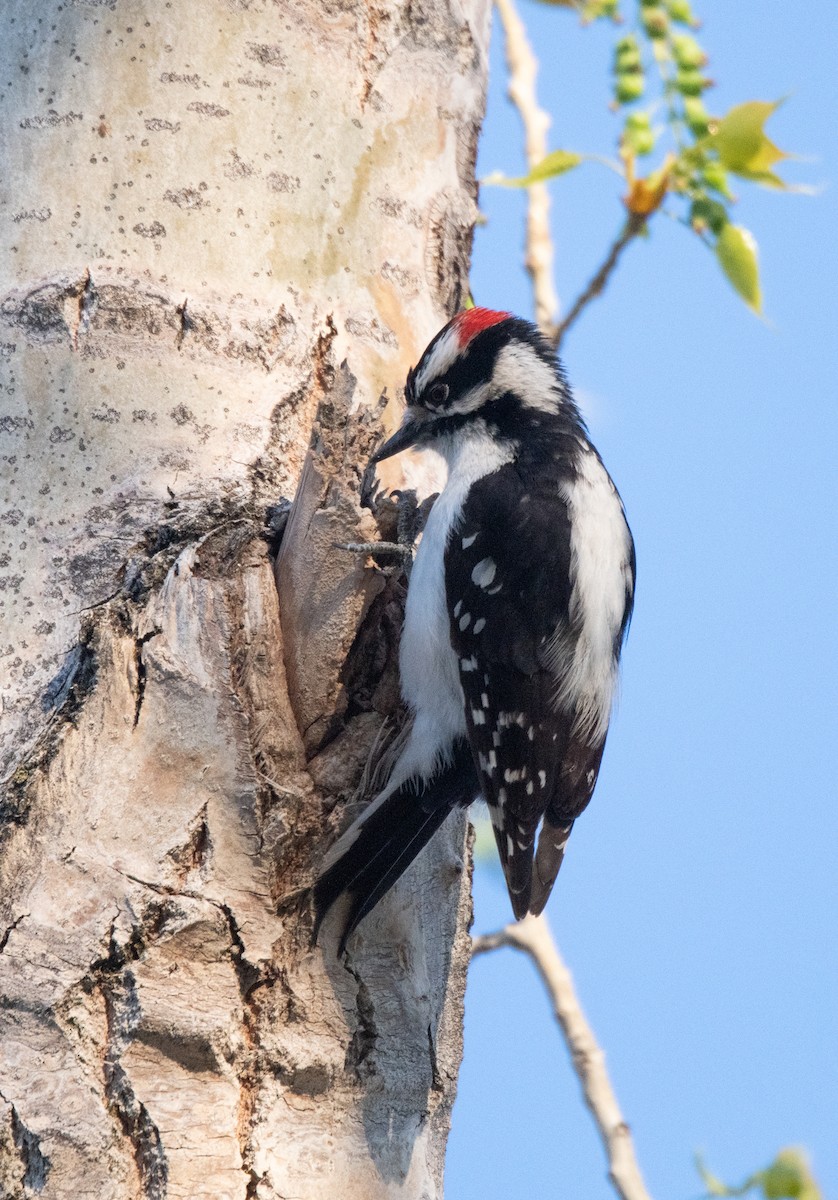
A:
[(627, 55), (714, 1185), (708, 214), (558, 162), (638, 134), (715, 176), (687, 51), (736, 250), (680, 11), (696, 114), (742, 146), (655, 21), (629, 87), (789, 1176), (594, 10), (690, 82)]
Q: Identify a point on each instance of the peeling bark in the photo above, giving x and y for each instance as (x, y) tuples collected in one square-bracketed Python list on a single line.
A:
[(225, 232)]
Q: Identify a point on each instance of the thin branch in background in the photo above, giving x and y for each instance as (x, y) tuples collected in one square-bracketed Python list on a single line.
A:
[(533, 936), (523, 69), (633, 226)]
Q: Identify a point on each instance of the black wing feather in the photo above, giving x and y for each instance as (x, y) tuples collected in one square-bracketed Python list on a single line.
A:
[(508, 585), (389, 839)]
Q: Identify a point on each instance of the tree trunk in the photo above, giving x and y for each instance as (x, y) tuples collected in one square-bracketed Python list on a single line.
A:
[(222, 225)]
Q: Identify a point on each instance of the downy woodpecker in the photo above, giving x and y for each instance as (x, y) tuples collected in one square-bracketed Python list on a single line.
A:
[(517, 607)]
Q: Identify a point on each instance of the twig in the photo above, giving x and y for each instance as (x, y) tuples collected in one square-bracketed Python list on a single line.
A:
[(633, 226), (523, 68), (534, 937), (386, 549)]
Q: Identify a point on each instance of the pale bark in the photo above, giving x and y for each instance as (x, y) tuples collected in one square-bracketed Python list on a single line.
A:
[(205, 208)]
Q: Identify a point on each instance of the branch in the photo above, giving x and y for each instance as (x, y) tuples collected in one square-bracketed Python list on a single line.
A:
[(633, 226), (523, 68), (534, 937)]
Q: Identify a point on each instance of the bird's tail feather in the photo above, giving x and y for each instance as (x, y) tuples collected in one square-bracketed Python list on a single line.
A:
[(388, 839), (548, 859)]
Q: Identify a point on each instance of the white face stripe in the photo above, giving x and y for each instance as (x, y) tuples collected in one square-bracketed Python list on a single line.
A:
[(520, 370), (471, 400), (442, 358), (517, 369)]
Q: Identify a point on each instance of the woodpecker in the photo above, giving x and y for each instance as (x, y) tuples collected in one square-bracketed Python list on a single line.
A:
[(518, 604)]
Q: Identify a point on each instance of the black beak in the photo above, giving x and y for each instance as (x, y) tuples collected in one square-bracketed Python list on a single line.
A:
[(407, 435)]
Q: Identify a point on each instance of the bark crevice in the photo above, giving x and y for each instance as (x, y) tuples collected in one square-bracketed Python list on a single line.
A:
[(123, 1014), (360, 1053), (33, 1163)]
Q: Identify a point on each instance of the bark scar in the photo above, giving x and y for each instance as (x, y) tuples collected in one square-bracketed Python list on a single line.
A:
[(185, 322), (88, 302), (360, 1051)]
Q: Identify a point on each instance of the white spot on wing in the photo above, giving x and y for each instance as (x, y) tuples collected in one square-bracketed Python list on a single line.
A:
[(469, 541), (484, 572), (465, 621), (511, 718), (487, 765), (478, 716), (479, 625)]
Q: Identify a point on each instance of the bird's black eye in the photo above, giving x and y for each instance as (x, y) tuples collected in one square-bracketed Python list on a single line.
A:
[(437, 395)]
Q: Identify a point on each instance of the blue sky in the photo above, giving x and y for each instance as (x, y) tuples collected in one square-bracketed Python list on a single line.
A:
[(698, 905)]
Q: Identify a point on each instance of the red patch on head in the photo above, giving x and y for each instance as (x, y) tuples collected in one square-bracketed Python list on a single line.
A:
[(472, 321)]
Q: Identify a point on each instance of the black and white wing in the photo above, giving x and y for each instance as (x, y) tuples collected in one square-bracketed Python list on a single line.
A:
[(509, 587)]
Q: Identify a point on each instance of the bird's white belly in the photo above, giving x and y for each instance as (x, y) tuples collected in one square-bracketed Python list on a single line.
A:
[(429, 670), (430, 673)]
